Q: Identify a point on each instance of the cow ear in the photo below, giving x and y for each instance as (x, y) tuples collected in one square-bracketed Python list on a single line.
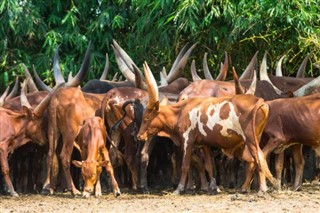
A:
[(77, 163), (103, 163), (28, 112)]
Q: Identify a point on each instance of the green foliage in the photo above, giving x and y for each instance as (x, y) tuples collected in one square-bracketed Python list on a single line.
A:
[(155, 31)]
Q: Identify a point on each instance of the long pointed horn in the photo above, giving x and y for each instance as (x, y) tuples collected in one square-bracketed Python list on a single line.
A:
[(253, 85), (70, 77), (224, 69), (31, 84), (14, 90), (125, 57), (125, 70), (139, 78), (302, 69), (164, 72), (308, 88), (237, 84), (195, 76), (40, 83), (3, 96), (106, 69), (179, 57), (176, 70), (279, 66), (250, 68), (56, 68), (152, 86), (23, 98), (76, 81), (206, 70), (264, 75)]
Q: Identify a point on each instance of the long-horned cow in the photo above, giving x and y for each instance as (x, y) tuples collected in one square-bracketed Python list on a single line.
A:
[(233, 123)]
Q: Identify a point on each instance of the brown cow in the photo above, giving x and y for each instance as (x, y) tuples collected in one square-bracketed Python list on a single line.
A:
[(92, 145), (233, 123), (293, 122), (18, 128)]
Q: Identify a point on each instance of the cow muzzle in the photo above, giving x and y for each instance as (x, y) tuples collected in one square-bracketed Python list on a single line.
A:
[(142, 137)]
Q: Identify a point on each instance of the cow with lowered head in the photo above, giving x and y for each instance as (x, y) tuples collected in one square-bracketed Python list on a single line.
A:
[(91, 142)]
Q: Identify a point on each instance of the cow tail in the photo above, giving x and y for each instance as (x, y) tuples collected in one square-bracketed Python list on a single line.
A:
[(104, 104), (262, 163)]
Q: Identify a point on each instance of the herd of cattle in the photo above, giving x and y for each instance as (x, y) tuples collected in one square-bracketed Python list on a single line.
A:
[(120, 124)]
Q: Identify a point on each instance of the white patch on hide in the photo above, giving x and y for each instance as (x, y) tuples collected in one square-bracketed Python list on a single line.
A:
[(231, 122)]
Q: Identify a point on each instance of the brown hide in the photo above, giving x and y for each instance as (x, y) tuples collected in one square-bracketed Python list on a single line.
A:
[(68, 109), (197, 120), (18, 127), (94, 155)]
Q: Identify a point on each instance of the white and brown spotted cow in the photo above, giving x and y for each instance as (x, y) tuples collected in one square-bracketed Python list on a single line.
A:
[(233, 123)]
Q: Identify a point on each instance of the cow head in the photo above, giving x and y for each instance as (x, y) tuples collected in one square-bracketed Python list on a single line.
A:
[(89, 172), (150, 122)]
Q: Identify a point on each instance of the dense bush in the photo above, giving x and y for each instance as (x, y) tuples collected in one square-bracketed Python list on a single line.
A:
[(154, 31)]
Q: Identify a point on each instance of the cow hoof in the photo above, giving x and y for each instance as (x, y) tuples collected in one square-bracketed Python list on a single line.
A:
[(176, 192), (145, 190), (75, 192), (14, 194), (214, 191), (45, 191), (117, 193), (85, 194), (244, 191)]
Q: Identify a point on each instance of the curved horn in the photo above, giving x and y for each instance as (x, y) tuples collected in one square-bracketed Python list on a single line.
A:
[(125, 57), (42, 85), (253, 85), (308, 88), (206, 70), (164, 72), (106, 69), (152, 86), (224, 69), (279, 65), (23, 98), (56, 68), (264, 75), (238, 87), (14, 90), (302, 69), (31, 84), (3, 96), (195, 76), (76, 81), (178, 66), (250, 68), (139, 78), (125, 70)]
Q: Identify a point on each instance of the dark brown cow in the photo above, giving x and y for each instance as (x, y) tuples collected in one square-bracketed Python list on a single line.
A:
[(295, 122), (92, 145), (234, 124)]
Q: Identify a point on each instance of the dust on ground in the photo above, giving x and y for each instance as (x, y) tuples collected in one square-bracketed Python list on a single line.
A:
[(305, 200)]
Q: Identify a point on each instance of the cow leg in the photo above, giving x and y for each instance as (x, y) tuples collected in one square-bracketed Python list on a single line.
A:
[(145, 153), (129, 154), (65, 157), (250, 167), (213, 188), (299, 165), (97, 188), (185, 168), (109, 170), (52, 161), (279, 160), (6, 171)]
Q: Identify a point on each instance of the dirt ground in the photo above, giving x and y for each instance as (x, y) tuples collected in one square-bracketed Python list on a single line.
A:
[(305, 200)]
